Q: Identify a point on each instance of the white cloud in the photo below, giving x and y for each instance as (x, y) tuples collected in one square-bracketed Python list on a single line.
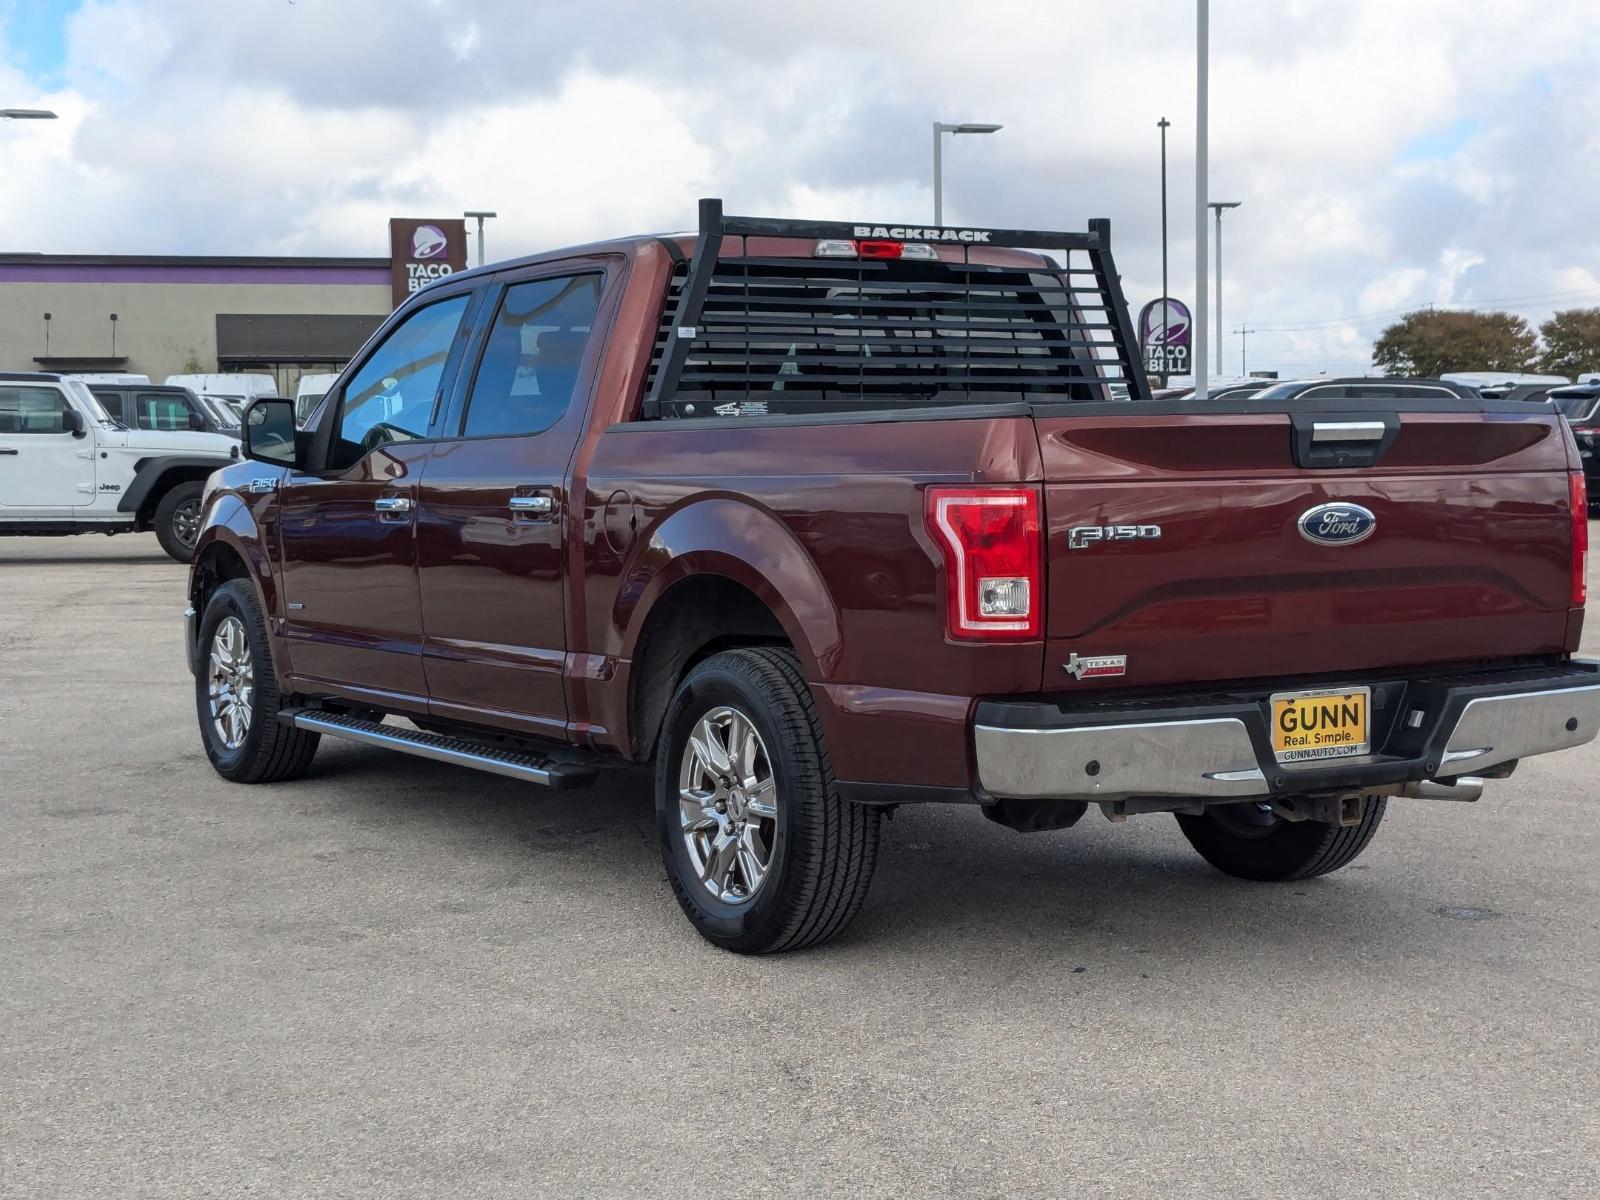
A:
[(264, 127)]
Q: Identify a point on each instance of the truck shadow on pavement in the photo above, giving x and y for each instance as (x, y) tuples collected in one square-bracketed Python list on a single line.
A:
[(948, 881)]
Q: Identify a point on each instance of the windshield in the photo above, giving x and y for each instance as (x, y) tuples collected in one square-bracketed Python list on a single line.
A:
[(1575, 408), (1284, 391), (97, 406), (223, 414)]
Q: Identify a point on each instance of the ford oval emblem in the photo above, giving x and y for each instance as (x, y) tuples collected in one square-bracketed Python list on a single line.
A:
[(1337, 524)]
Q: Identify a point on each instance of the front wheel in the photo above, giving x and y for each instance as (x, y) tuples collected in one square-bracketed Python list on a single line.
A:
[(1250, 841), (236, 694), (760, 849), (177, 520)]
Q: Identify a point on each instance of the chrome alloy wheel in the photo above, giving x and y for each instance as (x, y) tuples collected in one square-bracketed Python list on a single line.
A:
[(186, 522), (728, 804), (231, 683)]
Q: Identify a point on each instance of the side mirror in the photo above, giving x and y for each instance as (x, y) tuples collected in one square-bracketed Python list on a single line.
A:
[(197, 422), (72, 422), (268, 433)]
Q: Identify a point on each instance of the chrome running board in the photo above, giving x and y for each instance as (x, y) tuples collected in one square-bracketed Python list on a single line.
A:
[(514, 764)]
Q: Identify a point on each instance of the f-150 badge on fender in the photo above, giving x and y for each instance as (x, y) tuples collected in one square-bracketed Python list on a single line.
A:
[(1337, 524), (1080, 536), (1095, 666)]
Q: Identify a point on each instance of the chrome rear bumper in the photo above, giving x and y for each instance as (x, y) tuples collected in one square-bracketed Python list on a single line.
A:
[(1221, 750)]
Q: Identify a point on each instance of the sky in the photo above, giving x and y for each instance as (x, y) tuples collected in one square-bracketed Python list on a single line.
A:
[(1388, 154)]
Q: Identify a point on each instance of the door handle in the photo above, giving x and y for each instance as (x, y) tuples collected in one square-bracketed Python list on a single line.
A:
[(392, 504), (533, 506), (9, 450)]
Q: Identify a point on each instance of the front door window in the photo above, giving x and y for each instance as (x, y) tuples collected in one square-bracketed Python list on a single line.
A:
[(391, 398)]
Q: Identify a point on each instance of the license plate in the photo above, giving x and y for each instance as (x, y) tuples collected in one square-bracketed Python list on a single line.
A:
[(1331, 723)]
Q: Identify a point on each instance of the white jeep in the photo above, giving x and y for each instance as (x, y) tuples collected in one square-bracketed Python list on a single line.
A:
[(67, 466)]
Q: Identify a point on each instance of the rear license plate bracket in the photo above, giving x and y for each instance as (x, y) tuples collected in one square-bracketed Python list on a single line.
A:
[(1320, 724)]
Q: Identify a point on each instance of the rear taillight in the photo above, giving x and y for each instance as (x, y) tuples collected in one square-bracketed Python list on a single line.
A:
[(1579, 494), (993, 560)]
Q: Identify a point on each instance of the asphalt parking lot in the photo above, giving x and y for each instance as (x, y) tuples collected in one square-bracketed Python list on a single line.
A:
[(394, 978)]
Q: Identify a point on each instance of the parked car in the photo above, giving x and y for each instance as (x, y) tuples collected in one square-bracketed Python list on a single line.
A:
[(226, 417), (68, 466), (97, 377), (309, 393), (1387, 387), (1495, 384), (239, 385), (156, 407), (1235, 388), (821, 519), (1580, 405)]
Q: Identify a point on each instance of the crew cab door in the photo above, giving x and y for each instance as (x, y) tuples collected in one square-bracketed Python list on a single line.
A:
[(45, 469), (348, 526), (493, 513)]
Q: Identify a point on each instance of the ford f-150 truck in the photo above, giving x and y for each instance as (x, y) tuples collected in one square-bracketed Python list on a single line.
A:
[(820, 519)]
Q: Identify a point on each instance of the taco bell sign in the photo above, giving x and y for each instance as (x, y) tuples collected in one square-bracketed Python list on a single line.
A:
[(422, 250), (1165, 328)]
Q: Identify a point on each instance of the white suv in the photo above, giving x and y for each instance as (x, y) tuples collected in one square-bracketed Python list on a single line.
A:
[(66, 466)]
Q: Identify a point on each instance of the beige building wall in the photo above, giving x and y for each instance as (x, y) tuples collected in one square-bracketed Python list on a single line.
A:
[(160, 326)]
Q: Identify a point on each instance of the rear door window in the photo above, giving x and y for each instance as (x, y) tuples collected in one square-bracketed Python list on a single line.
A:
[(532, 356), (160, 411)]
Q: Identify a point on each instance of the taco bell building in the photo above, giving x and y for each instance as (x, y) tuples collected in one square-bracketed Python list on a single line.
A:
[(161, 315)]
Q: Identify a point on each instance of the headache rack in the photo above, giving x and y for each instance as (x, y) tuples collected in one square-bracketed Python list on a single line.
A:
[(747, 334)]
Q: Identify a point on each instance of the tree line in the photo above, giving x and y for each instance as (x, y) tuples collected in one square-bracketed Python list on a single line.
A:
[(1430, 342)]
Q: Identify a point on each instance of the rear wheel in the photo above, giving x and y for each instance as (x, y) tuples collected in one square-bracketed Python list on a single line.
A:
[(1250, 841), (236, 694), (177, 519), (760, 849)]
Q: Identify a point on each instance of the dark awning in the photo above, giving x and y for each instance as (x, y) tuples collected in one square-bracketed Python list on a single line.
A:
[(291, 337)]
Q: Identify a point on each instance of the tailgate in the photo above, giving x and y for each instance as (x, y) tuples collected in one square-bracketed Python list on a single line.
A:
[(1200, 570)]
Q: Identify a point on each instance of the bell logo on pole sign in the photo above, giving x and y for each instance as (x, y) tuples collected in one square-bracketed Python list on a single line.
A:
[(1165, 328), (423, 250)]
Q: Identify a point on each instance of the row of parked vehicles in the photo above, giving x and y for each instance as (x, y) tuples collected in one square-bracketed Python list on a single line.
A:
[(119, 454)]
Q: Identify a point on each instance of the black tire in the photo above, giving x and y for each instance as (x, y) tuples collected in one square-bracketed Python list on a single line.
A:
[(825, 848), (177, 519), (1250, 842), (268, 752)]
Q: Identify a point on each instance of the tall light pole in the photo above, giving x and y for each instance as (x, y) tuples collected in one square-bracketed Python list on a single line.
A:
[(1219, 205), (26, 114), (940, 128), (482, 217), (1165, 324), (1201, 120)]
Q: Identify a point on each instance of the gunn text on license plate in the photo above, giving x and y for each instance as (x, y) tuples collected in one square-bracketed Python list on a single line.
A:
[(1331, 723)]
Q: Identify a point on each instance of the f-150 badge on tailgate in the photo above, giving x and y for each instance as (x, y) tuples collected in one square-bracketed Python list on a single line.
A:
[(1080, 536), (1337, 524)]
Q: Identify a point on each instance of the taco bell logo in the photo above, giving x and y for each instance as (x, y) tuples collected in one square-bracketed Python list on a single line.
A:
[(424, 250), (428, 241), (1165, 329)]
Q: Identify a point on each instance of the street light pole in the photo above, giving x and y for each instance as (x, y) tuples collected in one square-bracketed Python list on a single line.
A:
[(1165, 324), (482, 217), (1201, 120), (940, 128), (1219, 205)]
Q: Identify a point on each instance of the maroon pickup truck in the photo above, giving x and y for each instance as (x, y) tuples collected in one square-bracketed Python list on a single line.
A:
[(823, 518)]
